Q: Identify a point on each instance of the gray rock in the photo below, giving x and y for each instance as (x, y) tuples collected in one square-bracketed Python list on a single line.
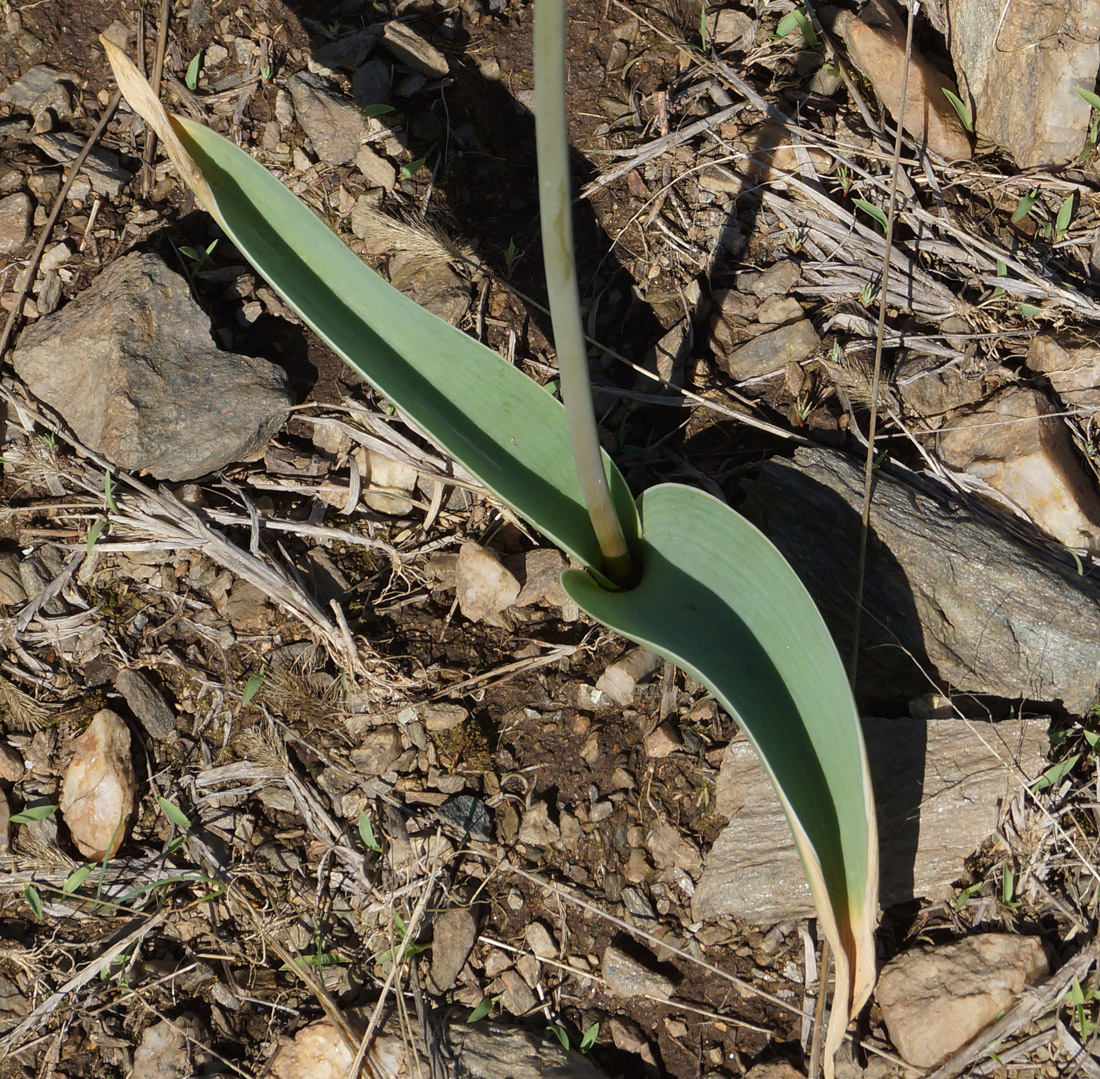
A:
[(769, 351), (948, 592), (349, 51), (407, 47), (147, 703), (930, 388), (432, 283), (370, 85), (102, 168), (36, 89), (938, 788), (934, 1000), (248, 609), (377, 170), (334, 125), (15, 222), (1018, 443), (171, 1049), (1072, 363), (377, 750), (629, 977), (517, 997), (777, 280), (11, 580), (728, 26), (1018, 65), (130, 366), (454, 934)]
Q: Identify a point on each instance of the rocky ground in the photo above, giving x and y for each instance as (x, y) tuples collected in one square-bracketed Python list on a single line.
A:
[(376, 770)]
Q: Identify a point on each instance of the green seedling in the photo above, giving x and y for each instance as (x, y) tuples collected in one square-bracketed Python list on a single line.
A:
[(703, 26), (967, 894), (1093, 137), (1054, 774), (676, 570), (1029, 310), (375, 110), (867, 294), (1023, 207), (94, 533), (483, 1009), (407, 949), (198, 259), (176, 815), (1062, 221), (961, 110), (872, 210), (191, 79), (844, 175), (798, 20), (366, 834), (34, 813), (1079, 998), (265, 73), (34, 901), (411, 169), (254, 684), (1008, 889), (589, 1039), (1002, 271), (511, 253), (559, 1033)]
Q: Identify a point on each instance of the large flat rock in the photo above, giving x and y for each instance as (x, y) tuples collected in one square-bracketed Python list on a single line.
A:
[(949, 594), (938, 788)]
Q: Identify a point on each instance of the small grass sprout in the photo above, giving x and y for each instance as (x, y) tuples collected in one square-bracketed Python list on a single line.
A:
[(798, 20), (1065, 216), (411, 169), (198, 259), (1093, 100), (961, 110), (872, 210), (484, 1007), (191, 78), (1023, 207)]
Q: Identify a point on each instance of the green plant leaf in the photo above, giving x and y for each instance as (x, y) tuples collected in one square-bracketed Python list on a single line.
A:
[(76, 878), (490, 417), (95, 532), (1050, 778), (108, 494), (1062, 221), (366, 833), (559, 1033), (1089, 96), (191, 79), (718, 600), (176, 815), (483, 1009), (1024, 206), (873, 210), (797, 20), (411, 169), (253, 685), (33, 814), (376, 110), (30, 893), (1029, 310), (590, 1036), (961, 110)]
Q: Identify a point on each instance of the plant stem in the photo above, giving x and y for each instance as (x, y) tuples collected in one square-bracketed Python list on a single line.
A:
[(555, 212)]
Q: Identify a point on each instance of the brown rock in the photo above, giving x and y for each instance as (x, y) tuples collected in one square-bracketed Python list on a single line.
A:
[(627, 976), (97, 790), (377, 750), (318, 1051), (484, 586), (247, 609), (769, 351), (334, 125), (146, 702), (131, 367), (454, 934), (1072, 363), (621, 679), (406, 46), (876, 44), (11, 763), (1019, 63), (1017, 444), (934, 1000), (15, 222)]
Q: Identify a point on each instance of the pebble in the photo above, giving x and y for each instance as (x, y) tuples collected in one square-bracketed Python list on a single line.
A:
[(769, 352), (620, 679), (628, 977), (484, 587), (540, 940), (377, 750), (334, 125), (97, 790), (454, 933), (377, 170), (16, 213), (407, 47), (536, 829), (147, 703), (11, 764)]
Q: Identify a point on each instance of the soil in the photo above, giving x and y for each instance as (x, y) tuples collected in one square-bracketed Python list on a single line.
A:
[(533, 733)]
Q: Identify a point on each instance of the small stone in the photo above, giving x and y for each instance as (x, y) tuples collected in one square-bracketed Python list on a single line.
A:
[(12, 591), (377, 750), (102, 168), (517, 997), (370, 85), (11, 763), (769, 352), (483, 586), (407, 47), (1072, 363), (934, 1000), (97, 790), (669, 850), (876, 44), (541, 577), (778, 311), (377, 170), (728, 26), (776, 1069), (388, 483), (318, 1051), (131, 367), (442, 716), (147, 703), (5, 824), (1016, 442), (349, 51), (628, 977), (33, 91), (537, 829), (930, 388), (540, 940), (15, 222), (334, 125), (777, 280), (621, 679), (247, 609), (432, 283), (629, 1037), (454, 934), (663, 741), (284, 108), (165, 1051)]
